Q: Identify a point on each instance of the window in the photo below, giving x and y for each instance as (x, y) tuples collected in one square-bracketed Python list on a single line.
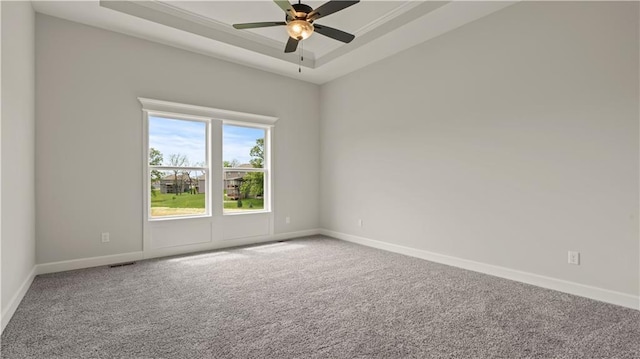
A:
[(178, 171), (245, 168), (190, 150)]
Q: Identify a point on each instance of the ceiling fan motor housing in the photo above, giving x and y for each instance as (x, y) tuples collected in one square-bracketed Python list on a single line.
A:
[(301, 12)]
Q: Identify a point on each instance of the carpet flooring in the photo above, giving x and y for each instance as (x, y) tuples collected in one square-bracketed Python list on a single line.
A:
[(312, 297)]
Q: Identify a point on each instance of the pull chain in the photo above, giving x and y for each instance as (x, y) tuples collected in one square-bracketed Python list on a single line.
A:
[(301, 58)]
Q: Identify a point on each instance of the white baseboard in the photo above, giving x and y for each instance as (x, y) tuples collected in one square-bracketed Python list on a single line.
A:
[(227, 243), (81, 263), (61, 266), (7, 314), (600, 294), (298, 234)]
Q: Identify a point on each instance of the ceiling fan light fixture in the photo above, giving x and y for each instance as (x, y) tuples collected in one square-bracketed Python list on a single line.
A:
[(299, 29), (299, 21)]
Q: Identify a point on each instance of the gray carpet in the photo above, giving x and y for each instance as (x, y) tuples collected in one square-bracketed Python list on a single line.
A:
[(308, 298)]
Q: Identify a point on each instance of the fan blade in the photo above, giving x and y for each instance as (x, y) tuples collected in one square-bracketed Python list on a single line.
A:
[(329, 8), (333, 33), (286, 6), (253, 25), (292, 45)]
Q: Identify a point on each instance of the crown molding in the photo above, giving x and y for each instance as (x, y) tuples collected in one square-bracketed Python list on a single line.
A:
[(171, 16)]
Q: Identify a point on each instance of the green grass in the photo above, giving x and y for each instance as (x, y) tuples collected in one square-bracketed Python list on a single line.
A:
[(257, 204), (172, 200), (187, 200)]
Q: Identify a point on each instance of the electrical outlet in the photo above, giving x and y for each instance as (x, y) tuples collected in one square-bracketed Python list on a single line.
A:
[(105, 237), (360, 223), (287, 220), (574, 258)]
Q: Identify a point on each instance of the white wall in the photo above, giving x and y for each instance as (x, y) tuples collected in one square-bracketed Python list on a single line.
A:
[(18, 199), (89, 133), (508, 141)]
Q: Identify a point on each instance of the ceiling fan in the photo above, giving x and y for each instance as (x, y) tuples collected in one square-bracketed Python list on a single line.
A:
[(299, 20)]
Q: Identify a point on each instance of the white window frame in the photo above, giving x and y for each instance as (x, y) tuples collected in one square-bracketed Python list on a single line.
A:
[(179, 111), (266, 169)]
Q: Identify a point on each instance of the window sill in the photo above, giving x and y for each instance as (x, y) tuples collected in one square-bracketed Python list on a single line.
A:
[(241, 213), (174, 218)]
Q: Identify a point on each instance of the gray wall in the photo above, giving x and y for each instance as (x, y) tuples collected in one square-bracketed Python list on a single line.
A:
[(89, 137), (508, 141), (18, 199)]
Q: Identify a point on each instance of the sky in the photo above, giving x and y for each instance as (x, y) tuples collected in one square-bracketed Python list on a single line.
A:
[(189, 138), (237, 142)]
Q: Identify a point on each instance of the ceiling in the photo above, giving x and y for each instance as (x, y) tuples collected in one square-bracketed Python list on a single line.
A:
[(382, 28)]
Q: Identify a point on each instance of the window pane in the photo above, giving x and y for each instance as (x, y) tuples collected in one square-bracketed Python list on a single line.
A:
[(177, 193), (243, 191), (177, 143), (243, 146)]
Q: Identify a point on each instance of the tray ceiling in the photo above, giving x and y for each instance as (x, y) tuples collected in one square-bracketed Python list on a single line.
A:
[(382, 28)]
